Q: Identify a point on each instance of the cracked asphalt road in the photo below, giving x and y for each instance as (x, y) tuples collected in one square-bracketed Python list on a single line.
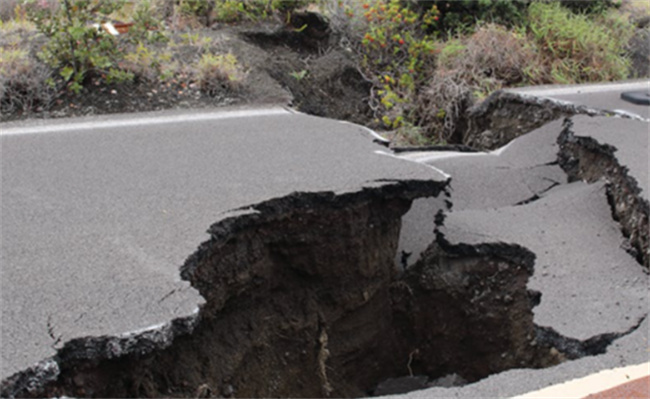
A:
[(589, 284), (91, 247), (97, 217)]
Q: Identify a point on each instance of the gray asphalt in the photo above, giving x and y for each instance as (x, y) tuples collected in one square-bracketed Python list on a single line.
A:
[(92, 246), (602, 96), (589, 284), (97, 217), (579, 257), (628, 137), (514, 174)]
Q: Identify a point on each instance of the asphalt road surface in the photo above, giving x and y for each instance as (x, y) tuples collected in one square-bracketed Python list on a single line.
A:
[(602, 96), (98, 215), (518, 194)]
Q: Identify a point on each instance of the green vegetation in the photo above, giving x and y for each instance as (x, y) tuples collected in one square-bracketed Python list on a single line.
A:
[(398, 54), (219, 72), (75, 48), (426, 60), (577, 48)]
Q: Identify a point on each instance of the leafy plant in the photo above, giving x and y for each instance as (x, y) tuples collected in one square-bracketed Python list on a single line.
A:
[(199, 8), (461, 16), (146, 63), (146, 27), (298, 75), (230, 11), (75, 47), (398, 55)]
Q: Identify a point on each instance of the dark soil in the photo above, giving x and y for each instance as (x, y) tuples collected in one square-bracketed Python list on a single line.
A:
[(303, 68)]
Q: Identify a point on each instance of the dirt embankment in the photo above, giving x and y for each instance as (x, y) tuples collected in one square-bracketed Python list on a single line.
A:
[(307, 69)]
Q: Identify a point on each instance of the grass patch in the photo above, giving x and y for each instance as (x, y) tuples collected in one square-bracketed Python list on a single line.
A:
[(576, 48)]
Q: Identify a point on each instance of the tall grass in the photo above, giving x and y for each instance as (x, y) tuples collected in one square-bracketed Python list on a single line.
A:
[(579, 49)]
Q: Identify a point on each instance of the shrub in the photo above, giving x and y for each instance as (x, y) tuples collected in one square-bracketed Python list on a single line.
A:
[(23, 82), (397, 56), (17, 31), (197, 8), (494, 57), (218, 73), (461, 16), (147, 63), (591, 6), (576, 48), (146, 28), (7, 8), (471, 68), (441, 104), (75, 48), (229, 11)]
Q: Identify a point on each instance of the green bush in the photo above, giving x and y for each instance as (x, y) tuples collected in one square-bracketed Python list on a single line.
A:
[(461, 16), (230, 11), (197, 8), (577, 48), (397, 54), (146, 27), (591, 6), (75, 48)]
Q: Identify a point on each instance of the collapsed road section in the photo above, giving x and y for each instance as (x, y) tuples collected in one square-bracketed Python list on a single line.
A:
[(98, 216), (617, 151), (592, 295), (330, 268), (303, 300), (295, 294)]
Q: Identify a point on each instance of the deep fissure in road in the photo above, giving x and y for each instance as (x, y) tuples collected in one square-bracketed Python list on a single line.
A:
[(587, 159), (303, 299)]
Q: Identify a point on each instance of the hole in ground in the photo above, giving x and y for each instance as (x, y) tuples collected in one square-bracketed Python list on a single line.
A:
[(303, 299)]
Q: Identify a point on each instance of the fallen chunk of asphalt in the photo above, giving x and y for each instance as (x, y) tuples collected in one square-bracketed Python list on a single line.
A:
[(637, 97)]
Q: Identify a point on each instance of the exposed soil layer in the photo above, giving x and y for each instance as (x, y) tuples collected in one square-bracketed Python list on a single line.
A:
[(305, 59), (304, 300), (504, 116), (587, 159)]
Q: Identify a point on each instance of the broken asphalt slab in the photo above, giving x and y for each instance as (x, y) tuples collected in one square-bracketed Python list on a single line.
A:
[(514, 174), (579, 256), (616, 151), (506, 176), (593, 293), (97, 218)]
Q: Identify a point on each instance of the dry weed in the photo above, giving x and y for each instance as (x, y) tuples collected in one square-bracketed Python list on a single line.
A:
[(440, 106)]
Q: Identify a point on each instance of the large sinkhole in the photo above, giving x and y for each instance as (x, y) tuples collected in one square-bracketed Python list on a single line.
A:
[(303, 299)]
